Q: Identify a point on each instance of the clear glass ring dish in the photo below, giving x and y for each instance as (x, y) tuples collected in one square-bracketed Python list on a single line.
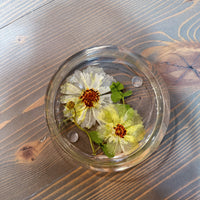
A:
[(150, 98)]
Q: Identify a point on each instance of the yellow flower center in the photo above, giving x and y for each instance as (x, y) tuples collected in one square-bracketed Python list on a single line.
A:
[(120, 130), (89, 97)]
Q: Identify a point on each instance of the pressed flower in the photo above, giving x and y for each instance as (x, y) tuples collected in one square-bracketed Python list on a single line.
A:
[(121, 129), (88, 90), (70, 105)]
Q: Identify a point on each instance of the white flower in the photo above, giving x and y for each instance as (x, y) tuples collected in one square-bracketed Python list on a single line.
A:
[(88, 90)]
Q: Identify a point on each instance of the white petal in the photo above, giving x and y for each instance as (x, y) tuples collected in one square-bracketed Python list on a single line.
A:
[(118, 148), (78, 79), (105, 99), (111, 138), (69, 88), (89, 120), (122, 147), (105, 84), (96, 81), (94, 70), (67, 113), (103, 90), (75, 80), (85, 78), (67, 98), (95, 114), (99, 79), (93, 77), (81, 114)]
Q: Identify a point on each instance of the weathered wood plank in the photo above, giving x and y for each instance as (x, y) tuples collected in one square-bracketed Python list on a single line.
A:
[(164, 175), (37, 36), (12, 10)]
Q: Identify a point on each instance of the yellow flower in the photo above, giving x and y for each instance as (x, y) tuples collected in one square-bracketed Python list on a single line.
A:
[(121, 128)]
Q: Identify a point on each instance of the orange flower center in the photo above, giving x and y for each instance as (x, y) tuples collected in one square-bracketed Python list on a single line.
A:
[(89, 97), (120, 130)]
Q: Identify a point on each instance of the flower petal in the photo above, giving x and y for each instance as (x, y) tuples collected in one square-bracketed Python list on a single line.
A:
[(107, 132), (67, 113), (99, 79), (75, 80), (137, 131), (104, 89), (119, 147), (105, 84), (96, 81), (89, 120), (113, 148), (69, 88), (94, 70), (122, 109), (108, 115), (78, 79), (67, 98), (81, 114), (86, 78), (89, 76), (130, 115), (95, 114), (130, 147), (130, 138), (127, 124), (105, 99)]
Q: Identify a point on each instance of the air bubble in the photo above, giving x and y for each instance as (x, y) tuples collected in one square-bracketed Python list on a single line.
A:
[(137, 81), (43, 139), (73, 137)]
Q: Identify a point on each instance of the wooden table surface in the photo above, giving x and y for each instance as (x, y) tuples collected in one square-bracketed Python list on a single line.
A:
[(37, 36)]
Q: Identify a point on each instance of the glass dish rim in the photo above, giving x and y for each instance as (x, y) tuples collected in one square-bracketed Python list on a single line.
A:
[(116, 163)]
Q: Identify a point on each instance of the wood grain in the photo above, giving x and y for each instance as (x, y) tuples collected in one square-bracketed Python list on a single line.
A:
[(12, 10), (142, 180), (37, 36)]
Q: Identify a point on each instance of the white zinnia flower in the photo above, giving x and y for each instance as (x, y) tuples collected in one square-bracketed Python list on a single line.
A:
[(88, 90)]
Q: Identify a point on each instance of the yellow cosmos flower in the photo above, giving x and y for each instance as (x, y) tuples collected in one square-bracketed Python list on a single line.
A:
[(88, 90), (121, 128)]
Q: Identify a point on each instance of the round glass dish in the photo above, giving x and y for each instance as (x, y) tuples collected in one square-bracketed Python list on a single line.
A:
[(150, 98)]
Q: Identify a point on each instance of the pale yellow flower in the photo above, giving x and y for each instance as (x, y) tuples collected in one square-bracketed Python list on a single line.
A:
[(121, 128)]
